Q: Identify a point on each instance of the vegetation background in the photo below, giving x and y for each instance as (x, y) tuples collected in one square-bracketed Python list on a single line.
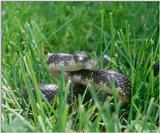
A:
[(122, 30)]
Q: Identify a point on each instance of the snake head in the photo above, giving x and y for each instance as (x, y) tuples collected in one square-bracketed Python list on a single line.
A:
[(56, 60)]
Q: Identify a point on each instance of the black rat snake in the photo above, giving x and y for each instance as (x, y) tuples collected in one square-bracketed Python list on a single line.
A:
[(78, 68)]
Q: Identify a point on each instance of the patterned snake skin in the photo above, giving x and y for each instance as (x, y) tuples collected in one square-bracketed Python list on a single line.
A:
[(79, 69)]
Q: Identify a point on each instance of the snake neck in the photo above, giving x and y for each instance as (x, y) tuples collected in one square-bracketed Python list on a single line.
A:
[(102, 79)]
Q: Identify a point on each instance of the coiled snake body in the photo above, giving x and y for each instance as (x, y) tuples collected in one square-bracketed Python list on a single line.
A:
[(79, 69)]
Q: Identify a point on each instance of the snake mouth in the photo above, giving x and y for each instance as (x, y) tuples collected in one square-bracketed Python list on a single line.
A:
[(67, 68)]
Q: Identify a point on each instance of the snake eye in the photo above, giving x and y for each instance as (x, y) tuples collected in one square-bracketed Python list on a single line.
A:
[(81, 57)]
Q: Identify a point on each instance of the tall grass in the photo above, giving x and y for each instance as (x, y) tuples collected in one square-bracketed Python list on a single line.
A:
[(127, 32)]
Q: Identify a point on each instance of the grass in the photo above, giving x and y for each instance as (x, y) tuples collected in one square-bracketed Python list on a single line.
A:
[(122, 30)]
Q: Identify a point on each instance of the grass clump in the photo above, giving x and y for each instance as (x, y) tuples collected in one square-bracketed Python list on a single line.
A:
[(127, 32)]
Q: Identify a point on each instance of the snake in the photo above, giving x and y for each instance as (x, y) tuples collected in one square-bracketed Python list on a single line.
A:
[(79, 69)]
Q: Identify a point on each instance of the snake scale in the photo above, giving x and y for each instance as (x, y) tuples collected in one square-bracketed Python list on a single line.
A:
[(78, 68)]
